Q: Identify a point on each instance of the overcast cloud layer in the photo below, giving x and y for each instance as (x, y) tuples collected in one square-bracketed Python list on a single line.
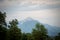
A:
[(45, 11)]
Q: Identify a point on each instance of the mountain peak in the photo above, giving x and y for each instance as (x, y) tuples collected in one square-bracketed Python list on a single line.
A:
[(29, 23), (28, 19)]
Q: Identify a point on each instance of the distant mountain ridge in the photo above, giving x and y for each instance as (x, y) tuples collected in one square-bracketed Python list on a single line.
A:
[(28, 24)]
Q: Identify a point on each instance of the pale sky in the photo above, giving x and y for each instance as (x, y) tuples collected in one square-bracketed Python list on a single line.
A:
[(45, 11)]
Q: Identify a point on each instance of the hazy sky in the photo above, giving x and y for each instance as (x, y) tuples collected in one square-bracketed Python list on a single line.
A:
[(45, 11)]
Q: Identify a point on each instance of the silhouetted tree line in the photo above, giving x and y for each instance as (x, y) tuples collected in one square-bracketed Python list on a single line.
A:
[(12, 32)]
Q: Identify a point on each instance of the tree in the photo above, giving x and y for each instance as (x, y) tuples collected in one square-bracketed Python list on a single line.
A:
[(41, 28), (57, 37), (3, 29), (24, 36), (14, 31), (39, 33), (2, 18), (29, 36)]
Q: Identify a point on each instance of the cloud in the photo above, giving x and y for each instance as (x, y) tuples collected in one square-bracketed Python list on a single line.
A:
[(28, 2), (27, 5), (1, 0), (47, 11), (45, 16)]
